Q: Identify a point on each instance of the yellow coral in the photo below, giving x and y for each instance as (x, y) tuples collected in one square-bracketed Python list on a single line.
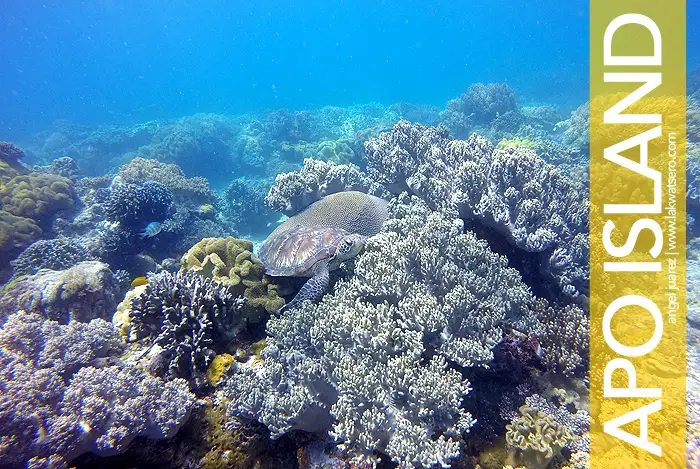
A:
[(536, 438), (257, 347), (218, 366), (16, 233), (514, 143), (122, 318), (36, 195), (207, 211), (231, 262)]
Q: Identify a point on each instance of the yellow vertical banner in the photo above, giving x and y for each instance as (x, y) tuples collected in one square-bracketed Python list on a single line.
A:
[(637, 145)]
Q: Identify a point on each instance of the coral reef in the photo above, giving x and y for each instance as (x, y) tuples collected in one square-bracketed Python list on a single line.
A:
[(469, 300), (53, 254), (351, 363), (245, 208), (64, 166), (297, 190), (191, 192), (513, 192), (135, 206), (62, 397), (190, 318), (199, 144), (16, 233), (86, 291), (576, 128), (231, 262), (478, 106), (11, 155)]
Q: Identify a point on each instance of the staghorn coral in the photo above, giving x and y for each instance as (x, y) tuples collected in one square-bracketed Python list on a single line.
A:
[(376, 361), (86, 291), (61, 398), (192, 319), (536, 438), (186, 191), (231, 262), (512, 192), (53, 254), (135, 206), (37, 196), (295, 191)]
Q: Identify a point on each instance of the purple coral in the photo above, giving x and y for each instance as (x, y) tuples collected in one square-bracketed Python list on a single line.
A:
[(60, 400)]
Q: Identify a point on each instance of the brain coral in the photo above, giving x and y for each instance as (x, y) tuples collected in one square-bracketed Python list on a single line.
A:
[(231, 262), (355, 212), (37, 196)]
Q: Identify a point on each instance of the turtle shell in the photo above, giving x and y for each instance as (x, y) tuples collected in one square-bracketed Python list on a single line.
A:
[(294, 252)]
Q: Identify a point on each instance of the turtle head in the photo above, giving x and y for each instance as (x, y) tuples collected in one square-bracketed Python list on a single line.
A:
[(350, 246)]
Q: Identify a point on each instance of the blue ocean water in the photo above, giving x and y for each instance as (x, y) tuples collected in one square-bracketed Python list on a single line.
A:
[(128, 60)]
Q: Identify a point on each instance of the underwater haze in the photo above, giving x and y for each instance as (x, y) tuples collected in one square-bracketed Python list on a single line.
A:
[(123, 61)]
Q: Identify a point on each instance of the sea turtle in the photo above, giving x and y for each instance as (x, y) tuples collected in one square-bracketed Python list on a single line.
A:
[(308, 251)]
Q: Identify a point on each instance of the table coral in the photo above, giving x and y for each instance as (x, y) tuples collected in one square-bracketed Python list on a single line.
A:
[(231, 262), (513, 193)]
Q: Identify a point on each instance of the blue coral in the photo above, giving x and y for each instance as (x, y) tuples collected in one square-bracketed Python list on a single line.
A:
[(190, 318), (134, 206)]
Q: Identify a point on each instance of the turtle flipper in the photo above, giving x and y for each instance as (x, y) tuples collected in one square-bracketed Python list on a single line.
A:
[(313, 289)]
